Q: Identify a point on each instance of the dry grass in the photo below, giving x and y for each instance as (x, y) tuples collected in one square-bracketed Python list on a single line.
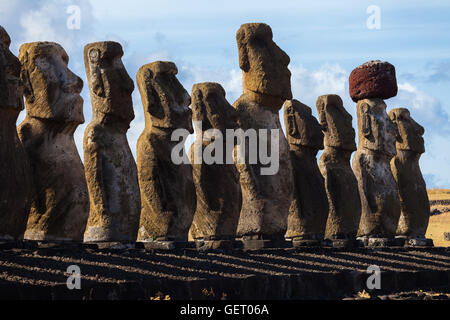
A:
[(436, 228), (439, 223), (439, 194)]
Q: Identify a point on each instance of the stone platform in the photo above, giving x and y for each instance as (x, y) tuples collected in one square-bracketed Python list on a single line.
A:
[(32, 271)]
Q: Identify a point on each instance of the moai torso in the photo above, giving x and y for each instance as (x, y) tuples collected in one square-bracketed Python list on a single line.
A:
[(110, 168), (167, 188), (266, 199), (216, 184), (341, 186), (308, 215), (15, 173), (369, 84), (54, 110), (412, 191)]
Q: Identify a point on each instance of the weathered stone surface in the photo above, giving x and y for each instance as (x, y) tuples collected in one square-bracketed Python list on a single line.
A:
[(15, 173), (54, 111), (340, 181), (217, 184), (167, 189), (309, 213), (110, 169), (265, 198), (412, 190), (373, 79), (371, 165)]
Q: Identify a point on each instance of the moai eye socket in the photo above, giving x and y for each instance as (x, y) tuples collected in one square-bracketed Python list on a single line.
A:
[(94, 55)]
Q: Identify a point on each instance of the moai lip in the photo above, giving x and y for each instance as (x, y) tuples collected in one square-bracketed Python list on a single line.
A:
[(412, 190), (54, 111), (110, 169), (380, 205), (265, 198), (308, 216), (15, 173), (167, 189), (217, 185), (373, 79), (340, 182)]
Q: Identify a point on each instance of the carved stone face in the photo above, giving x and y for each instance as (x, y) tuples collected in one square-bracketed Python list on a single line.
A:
[(109, 83), (336, 122), (302, 128), (409, 131), (11, 89), (163, 96), (376, 131), (264, 64), (211, 108), (52, 90)]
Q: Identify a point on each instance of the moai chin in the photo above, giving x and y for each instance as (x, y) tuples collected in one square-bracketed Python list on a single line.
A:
[(217, 184), (167, 189), (308, 216), (415, 206), (54, 111), (110, 169), (15, 173), (266, 80), (340, 182), (380, 204)]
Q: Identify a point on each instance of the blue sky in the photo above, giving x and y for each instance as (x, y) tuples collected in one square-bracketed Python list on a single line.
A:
[(325, 40)]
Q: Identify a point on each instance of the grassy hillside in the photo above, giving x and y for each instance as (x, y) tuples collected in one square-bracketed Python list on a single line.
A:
[(439, 223)]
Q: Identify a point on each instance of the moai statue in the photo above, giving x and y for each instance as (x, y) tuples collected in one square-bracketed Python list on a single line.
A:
[(266, 195), (216, 184), (308, 215), (15, 173), (110, 169), (341, 186), (54, 111), (415, 206), (167, 188), (369, 84)]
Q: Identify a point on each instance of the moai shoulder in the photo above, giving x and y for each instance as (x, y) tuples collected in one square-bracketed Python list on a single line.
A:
[(412, 190), (167, 188), (110, 168), (15, 174), (218, 204), (308, 217), (340, 182), (370, 83), (54, 111), (266, 84)]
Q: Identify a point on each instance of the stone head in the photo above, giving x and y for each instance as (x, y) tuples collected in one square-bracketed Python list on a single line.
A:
[(336, 122), (409, 131), (51, 89), (302, 128), (210, 106), (263, 63), (164, 98), (11, 89), (109, 83), (375, 130)]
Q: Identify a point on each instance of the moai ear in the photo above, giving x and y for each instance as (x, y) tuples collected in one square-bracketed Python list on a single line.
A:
[(244, 62), (366, 127), (323, 116), (292, 124), (25, 79), (96, 76)]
